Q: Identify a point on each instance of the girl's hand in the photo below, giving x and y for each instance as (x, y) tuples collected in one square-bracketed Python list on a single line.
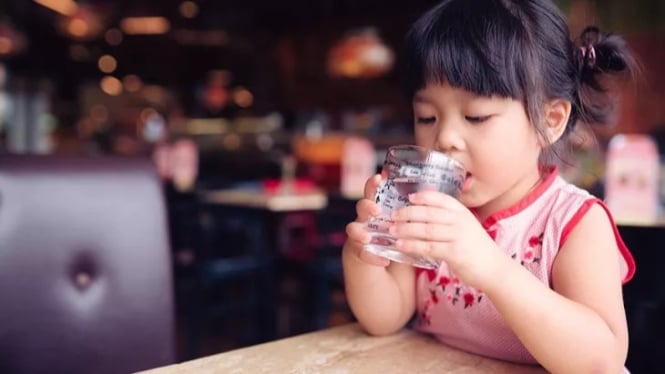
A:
[(438, 226), (357, 233)]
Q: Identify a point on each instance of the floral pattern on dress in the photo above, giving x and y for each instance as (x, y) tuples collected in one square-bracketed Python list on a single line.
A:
[(449, 289), (445, 287), (532, 253)]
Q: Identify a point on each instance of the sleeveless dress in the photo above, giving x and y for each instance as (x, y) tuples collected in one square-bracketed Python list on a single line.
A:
[(531, 232)]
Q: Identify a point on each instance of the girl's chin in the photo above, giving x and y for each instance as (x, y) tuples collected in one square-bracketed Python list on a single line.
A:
[(468, 197)]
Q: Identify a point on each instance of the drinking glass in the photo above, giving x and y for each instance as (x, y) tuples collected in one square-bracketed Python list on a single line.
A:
[(408, 169)]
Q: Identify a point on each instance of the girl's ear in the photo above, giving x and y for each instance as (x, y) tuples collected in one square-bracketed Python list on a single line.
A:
[(557, 113)]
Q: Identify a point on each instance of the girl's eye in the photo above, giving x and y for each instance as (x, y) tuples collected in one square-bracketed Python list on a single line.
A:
[(479, 119), (425, 120)]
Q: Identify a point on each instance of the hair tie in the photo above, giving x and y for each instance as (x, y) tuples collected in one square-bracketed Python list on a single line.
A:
[(588, 55)]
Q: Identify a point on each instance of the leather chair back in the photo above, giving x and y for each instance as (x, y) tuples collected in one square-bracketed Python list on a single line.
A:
[(85, 269)]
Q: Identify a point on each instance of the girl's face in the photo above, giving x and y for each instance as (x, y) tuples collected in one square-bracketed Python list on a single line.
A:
[(491, 136)]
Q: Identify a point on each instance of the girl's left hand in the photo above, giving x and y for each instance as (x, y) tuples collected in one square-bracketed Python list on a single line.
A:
[(438, 226)]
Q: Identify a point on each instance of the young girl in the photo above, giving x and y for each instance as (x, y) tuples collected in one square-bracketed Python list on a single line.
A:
[(532, 266)]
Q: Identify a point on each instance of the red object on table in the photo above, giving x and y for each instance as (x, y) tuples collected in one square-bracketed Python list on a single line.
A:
[(298, 186)]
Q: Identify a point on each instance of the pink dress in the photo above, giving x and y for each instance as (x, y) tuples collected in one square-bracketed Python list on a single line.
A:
[(531, 232)]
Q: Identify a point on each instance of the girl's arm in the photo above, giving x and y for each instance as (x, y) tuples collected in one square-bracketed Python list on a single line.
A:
[(579, 326), (381, 294), (381, 298)]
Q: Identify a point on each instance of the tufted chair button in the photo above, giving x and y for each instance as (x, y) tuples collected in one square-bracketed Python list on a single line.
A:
[(83, 280)]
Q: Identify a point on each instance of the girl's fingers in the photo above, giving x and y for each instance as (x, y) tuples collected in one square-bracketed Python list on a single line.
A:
[(422, 231), (425, 213), (373, 259), (367, 209), (357, 231), (435, 199), (358, 236), (427, 249), (371, 185)]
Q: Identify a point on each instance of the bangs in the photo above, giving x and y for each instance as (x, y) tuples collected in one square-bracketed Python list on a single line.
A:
[(473, 45)]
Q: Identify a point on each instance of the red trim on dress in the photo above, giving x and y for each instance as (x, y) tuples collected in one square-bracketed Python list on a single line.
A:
[(575, 220), (551, 173), (623, 249)]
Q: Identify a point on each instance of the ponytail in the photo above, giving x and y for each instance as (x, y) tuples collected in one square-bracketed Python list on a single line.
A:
[(599, 56)]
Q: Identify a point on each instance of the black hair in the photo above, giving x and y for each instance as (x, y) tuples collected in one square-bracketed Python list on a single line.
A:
[(519, 49)]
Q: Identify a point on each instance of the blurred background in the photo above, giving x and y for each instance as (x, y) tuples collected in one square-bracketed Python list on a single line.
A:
[(237, 104), (118, 77)]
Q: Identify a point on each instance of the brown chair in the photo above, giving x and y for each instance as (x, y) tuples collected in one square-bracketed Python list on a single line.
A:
[(85, 270)]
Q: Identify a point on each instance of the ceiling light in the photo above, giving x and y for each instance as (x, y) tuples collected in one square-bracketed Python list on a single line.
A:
[(78, 28), (242, 97), (145, 25), (84, 24), (107, 64), (189, 9), (64, 7), (360, 54), (132, 83), (111, 85)]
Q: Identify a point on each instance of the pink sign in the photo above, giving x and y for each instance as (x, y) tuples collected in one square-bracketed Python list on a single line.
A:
[(632, 179), (358, 164)]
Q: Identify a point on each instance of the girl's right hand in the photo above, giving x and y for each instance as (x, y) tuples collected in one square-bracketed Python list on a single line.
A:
[(357, 234)]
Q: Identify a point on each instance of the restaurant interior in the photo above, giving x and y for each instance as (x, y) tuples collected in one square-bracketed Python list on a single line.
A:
[(260, 122)]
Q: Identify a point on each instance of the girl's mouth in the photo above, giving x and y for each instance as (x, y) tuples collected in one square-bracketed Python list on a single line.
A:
[(467, 181)]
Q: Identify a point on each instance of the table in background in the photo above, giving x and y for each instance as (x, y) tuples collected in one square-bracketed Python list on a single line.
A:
[(283, 227), (313, 199), (347, 349)]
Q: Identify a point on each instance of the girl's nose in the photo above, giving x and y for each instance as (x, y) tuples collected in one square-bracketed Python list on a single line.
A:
[(448, 139)]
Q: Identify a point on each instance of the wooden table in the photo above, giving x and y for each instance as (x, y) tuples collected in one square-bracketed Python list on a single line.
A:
[(347, 349)]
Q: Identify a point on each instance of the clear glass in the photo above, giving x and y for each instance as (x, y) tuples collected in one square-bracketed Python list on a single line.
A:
[(407, 169)]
